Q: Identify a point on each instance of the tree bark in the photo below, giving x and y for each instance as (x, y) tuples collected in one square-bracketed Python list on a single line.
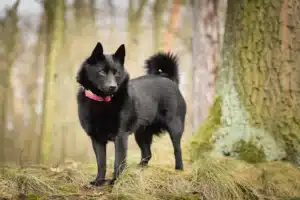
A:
[(207, 37), (80, 14), (158, 11), (55, 16), (93, 12), (134, 22), (32, 90), (259, 81), (174, 19), (85, 16), (10, 33)]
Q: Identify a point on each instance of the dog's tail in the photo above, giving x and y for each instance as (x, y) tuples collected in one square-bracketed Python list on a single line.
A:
[(163, 64)]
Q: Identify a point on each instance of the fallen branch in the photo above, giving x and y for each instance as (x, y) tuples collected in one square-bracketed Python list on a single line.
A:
[(60, 196)]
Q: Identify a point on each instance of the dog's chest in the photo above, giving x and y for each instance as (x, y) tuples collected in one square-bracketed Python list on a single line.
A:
[(100, 121)]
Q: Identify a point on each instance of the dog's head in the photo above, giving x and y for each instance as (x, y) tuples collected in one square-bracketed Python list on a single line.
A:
[(103, 74)]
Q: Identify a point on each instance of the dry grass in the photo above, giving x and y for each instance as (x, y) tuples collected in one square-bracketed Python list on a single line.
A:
[(206, 179), (211, 179), (47, 183)]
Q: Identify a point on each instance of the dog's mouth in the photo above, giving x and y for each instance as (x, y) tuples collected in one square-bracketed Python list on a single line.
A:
[(96, 97)]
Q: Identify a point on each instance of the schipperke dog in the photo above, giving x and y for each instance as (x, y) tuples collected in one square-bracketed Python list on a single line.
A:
[(110, 106)]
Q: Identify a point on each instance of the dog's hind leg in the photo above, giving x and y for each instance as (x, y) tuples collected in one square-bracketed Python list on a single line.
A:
[(175, 129), (143, 137), (100, 152)]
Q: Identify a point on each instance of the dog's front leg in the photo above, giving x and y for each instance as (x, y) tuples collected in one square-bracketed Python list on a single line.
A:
[(121, 145), (100, 152)]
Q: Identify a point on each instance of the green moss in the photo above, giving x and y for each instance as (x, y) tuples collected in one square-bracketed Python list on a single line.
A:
[(33, 197), (200, 141), (186, 197), (249, 152), (68, 188)]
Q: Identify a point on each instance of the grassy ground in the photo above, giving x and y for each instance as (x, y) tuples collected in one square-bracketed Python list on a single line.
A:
[(206, 179)]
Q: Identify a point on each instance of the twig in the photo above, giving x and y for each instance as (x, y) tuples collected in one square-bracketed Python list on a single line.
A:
[(60, 196)]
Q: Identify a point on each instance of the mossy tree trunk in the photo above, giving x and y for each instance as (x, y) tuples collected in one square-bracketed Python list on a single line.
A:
[(10, 34), (259, 81), (55, 19), (207, 34)]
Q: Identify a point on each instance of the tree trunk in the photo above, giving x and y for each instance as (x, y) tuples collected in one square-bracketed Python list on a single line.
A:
[(174, 19), (134, 21), (10, 33), (259, 82), (85, 16), (85, 21), (55, 29), (158, 11), (80, 14), (93, 12), (207, 34), (32, 91)]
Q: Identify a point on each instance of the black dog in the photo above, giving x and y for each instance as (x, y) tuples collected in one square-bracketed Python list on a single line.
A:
[(110, 106)]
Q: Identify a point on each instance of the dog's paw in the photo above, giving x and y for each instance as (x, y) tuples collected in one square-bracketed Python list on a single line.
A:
[(143, 164), (97, 183), (112, 181)]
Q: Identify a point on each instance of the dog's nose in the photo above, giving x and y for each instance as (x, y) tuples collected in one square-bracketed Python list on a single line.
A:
[(112, 88)]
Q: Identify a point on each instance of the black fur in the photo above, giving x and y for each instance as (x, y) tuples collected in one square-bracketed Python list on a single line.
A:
[(163, 64), (146, 105)]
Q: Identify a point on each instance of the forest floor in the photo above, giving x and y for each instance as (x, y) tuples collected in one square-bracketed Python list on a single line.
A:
[(205, 179)]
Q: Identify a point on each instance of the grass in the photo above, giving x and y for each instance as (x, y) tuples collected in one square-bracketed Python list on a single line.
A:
[(205, 179), (211, 179), (46, 183)]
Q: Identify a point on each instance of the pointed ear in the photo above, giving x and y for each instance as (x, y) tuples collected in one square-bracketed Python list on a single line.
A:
[(97, 53), (82, 79), (81, 75), (120, 54)]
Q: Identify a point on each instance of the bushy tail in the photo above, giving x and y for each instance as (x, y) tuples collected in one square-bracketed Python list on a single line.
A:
[(163, 64)]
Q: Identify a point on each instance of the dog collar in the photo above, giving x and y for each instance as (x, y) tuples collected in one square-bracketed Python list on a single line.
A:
[(95, 97)]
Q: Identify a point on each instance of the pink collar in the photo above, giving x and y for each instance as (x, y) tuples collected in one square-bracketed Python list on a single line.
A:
[(95, 97)]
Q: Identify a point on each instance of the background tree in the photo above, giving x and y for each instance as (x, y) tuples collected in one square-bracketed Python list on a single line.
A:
[(55, 14), (258, 100), (134, 17), (207, 34), (157, 12), (9, 31), (33, 92), (173, 24)]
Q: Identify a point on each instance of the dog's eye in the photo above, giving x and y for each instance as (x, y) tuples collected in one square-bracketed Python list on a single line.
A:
[(102, 72), (117, 73)]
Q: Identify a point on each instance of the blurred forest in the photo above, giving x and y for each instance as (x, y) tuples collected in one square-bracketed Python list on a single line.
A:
[(240, 76), (41, 50), (250, 82)]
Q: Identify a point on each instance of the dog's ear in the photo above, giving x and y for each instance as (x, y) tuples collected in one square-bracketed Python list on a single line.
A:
[(81, 75), (120, 54), (82, 78), (97, 53)]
